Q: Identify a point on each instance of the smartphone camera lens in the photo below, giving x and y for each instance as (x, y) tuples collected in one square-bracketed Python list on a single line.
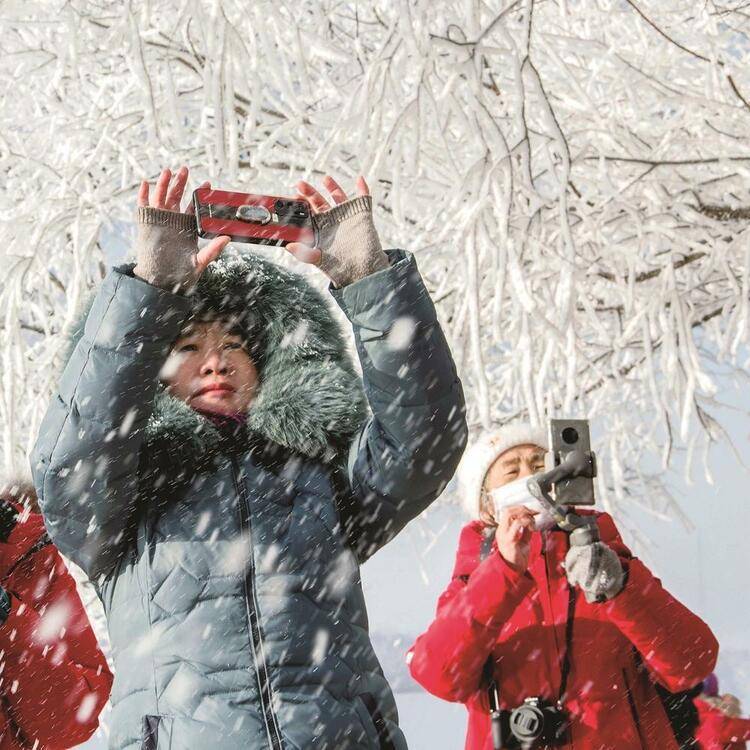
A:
[(570, 435)]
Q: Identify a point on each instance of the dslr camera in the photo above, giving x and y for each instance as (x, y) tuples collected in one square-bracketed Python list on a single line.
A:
[(538, 723)]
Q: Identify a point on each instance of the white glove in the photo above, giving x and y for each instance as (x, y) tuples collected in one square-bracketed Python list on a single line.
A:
[(596, 569)]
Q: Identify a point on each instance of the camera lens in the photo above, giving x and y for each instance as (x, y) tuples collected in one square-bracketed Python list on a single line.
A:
[(570, 435), (527, 722)]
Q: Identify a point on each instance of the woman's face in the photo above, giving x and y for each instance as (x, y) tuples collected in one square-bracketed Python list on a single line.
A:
[(210, 369), (519, 461)]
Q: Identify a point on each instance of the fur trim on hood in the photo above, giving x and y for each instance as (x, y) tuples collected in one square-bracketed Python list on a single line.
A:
[(310, 401)]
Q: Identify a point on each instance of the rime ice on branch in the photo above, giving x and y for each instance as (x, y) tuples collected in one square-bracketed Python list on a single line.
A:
[(573, 177)]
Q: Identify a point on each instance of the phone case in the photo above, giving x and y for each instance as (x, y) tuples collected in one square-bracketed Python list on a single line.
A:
[(258, 219)]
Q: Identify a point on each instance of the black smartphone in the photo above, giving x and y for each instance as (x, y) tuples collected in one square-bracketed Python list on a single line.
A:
[(566, 435)]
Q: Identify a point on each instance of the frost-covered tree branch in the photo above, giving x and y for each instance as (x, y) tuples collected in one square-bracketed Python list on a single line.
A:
[(573, 177)]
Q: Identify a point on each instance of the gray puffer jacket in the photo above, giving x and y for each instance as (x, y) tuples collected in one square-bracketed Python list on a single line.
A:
[(227, 560)]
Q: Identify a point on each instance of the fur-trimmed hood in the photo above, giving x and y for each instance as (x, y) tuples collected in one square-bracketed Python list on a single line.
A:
[(310, 401)]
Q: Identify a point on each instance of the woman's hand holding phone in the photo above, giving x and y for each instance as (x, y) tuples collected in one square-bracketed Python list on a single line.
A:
[(167, 253), (348, 247)]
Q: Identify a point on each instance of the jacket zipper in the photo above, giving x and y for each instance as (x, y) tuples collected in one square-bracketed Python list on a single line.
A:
[(251, 605)]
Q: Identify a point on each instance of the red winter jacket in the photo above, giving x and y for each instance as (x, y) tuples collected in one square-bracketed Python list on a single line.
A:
[(54, 679), (717, 731), (520, 620)]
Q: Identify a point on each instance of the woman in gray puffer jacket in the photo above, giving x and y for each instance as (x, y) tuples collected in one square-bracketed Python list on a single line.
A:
[(209, 462)]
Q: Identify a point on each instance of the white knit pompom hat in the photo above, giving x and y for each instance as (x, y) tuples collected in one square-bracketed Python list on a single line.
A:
[(481, 454)]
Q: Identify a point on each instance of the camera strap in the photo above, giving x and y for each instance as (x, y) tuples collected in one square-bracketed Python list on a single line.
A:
[(488, 673)]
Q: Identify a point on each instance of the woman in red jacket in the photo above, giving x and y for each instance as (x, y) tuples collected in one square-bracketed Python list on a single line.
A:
[(721, 726), (587, 631), (55, 680)]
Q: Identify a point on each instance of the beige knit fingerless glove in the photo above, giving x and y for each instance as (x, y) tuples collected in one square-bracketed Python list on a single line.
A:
[(349, 244), (166, 248)]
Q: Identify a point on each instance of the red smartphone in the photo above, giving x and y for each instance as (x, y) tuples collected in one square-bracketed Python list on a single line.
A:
[(259, 219)]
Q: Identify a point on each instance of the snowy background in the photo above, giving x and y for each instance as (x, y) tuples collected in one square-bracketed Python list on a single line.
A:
[(571, 174)]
